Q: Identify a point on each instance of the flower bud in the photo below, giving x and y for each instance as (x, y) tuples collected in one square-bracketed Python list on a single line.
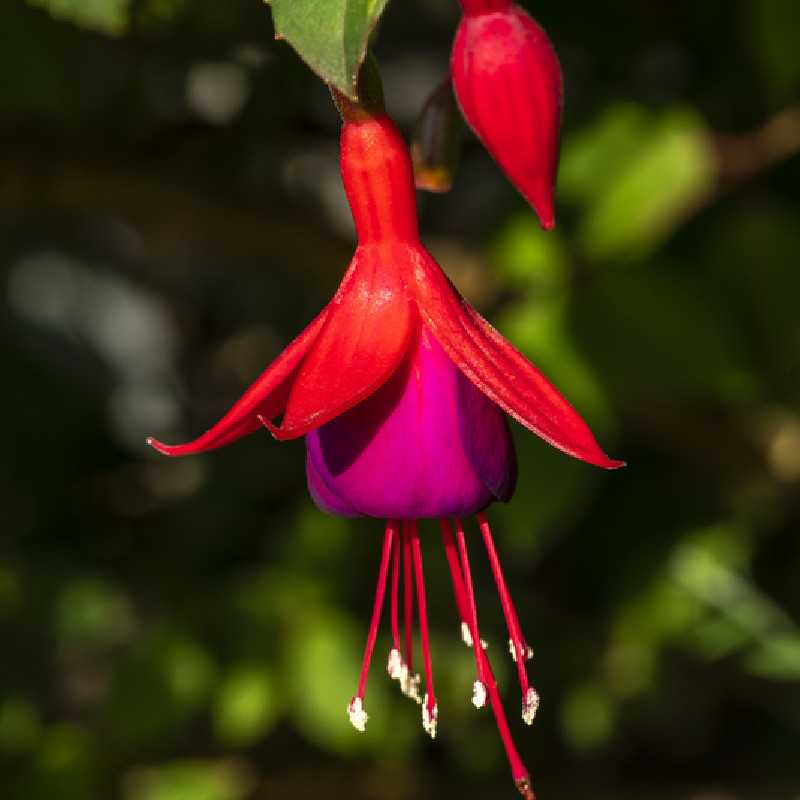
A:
[(436, 143), (507, 80)]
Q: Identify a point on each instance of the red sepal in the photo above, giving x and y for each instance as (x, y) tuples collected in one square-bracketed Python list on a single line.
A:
[(265, 398), (500, 371), (364, 339)]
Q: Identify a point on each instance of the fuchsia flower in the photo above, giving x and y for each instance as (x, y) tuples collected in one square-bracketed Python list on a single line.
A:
[(507, 80), (400, 388)]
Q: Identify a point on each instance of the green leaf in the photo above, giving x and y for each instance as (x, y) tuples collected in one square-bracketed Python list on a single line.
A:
[(637, 176), (528, 258), (106, 16), (593, 158), (331, 36)]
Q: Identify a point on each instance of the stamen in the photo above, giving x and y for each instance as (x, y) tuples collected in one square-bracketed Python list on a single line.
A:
[(519, 771), (479, 687), (395, 665), (409, 684), (409, 680), (430, 716), (408, 595), (430, 710), (478, 694), (466, 636), (451, 554), (395, 593), (520, 648), (358, 716), (513, 651), (530, 705)]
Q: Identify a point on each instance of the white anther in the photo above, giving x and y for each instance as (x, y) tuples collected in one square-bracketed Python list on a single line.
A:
[(358, 717), (530, 705), (478, 694), (430, 718), (527, 650), (524, 648), (395, 665), (409, 684), (466, 635)]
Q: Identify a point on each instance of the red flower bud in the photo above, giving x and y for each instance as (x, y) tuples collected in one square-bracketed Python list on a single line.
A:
[(507, 80)]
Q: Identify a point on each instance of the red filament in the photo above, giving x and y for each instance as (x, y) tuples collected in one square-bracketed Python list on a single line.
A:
[(518, 642), (423, 617), (451, 554), (380, 591), (519, 771), (402, 544), (395, 592), (470, 600), (408, 597)]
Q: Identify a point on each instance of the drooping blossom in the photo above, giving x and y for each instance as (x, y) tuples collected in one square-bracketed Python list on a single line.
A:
[(401, 390), (508, 83)]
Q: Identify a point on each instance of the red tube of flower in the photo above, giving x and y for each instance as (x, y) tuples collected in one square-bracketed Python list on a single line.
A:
[(508, 83)]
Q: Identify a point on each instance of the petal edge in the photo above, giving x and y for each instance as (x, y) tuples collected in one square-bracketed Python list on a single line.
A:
[(362, 343), (500, 371), (266, 397)]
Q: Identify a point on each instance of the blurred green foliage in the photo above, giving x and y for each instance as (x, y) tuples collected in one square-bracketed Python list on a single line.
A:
[(107, 16), (171, 215)]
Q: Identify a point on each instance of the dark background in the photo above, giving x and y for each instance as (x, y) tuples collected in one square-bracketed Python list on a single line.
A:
[(171, 215)]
